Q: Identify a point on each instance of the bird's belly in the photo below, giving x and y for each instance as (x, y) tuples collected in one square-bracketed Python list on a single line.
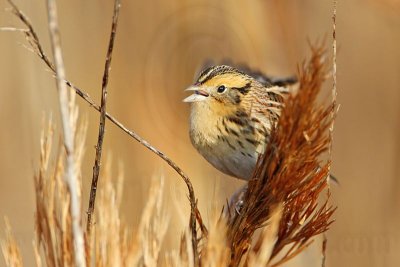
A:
[(236, 162)]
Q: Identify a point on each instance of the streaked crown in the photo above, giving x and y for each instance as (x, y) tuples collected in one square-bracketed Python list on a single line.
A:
[(214, 71)]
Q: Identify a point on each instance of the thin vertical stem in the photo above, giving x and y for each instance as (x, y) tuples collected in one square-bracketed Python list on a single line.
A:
[(70, 175), (333, 113), (99, 146)]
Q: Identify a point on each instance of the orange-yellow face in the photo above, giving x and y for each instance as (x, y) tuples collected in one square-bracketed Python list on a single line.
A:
[(221, 87)]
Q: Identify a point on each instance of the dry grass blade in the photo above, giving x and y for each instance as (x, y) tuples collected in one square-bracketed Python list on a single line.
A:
[(153, 225), (216, 252), (112, 245), (334, 110), (10, 249), (12, 29), (102, 124), (290, 172), (262, 250), (183, 257)]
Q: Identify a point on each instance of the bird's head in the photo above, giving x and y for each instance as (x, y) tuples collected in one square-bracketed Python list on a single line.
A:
[(220, 87)]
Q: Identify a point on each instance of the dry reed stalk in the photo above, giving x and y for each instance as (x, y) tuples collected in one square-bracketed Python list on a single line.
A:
[(334, 111), (102, 123), (67, 106), (290, 172)]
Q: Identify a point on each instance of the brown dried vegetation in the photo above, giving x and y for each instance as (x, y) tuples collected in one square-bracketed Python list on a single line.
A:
[(290, 172), (281, 200)]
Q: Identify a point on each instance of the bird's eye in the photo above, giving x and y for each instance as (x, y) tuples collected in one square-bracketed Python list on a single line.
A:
[(221, 89)]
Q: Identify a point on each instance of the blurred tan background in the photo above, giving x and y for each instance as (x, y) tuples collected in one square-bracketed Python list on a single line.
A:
[(159, 47)]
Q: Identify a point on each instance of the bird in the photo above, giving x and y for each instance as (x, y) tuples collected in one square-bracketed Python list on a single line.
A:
[(232, 113)]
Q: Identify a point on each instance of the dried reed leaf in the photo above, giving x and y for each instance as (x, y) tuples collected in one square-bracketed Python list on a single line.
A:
[(153, 225), (262, 250), (216, 251), (183, 257), (10, 249), (108, 226)]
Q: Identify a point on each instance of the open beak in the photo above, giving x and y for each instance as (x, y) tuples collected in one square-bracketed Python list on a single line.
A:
[(198, 95)]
